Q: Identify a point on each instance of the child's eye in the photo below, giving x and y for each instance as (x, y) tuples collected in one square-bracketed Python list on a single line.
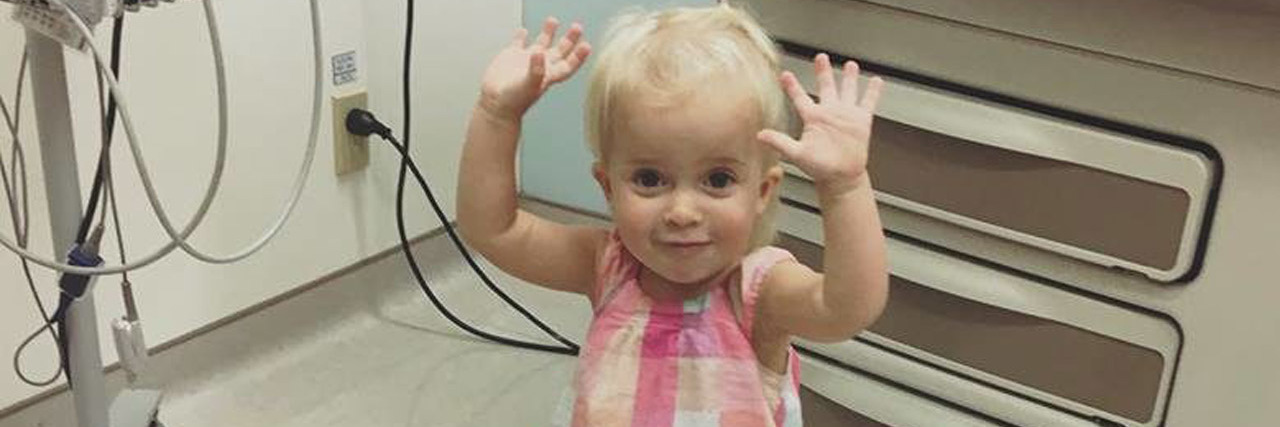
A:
[(647, 178), (720, 179)]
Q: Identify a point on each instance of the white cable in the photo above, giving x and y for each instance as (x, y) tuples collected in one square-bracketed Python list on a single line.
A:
[(19, 156), (299, 182), (22, 221), (11, 125), (211, 190), (179, 238), (301, 178), (10, 190), (19, 216)]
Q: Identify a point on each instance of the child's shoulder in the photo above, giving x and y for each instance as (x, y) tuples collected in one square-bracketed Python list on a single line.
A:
[(757, 264), (759, 268)]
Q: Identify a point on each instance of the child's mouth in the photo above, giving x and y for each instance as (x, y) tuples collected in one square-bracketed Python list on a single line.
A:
[(687, 245)]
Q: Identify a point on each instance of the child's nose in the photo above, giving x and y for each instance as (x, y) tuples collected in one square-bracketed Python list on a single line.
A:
[(682, 212)]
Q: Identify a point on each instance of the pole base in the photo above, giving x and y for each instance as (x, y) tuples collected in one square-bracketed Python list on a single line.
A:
[(135, 408)]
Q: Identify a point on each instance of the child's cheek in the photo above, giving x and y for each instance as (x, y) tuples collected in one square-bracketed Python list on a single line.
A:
[(736, 222), (633, 214)]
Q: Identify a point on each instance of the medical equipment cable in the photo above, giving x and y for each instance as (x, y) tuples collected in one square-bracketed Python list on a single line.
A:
[(19, 154), (108, 114), (90, 250), (126, 118), (104, 181), (214, 181), (21, 227), (406, 161), (179, 237), (299, 181), (104, 178), (126, 286), (361, 122), (21, 220)]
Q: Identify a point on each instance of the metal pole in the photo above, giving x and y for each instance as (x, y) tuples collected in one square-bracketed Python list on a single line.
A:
[(62, 185)]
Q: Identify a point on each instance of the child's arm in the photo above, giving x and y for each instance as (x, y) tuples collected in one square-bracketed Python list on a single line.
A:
[(536, 250), (833, 151)]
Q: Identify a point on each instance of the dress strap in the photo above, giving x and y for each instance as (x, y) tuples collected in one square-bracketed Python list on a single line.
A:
[(755, 267), (614, 267)]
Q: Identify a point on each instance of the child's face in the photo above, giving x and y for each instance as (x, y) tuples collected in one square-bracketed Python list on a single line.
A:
[(686, 186)]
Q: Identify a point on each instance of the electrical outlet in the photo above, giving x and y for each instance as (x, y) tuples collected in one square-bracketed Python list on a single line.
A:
[(350, 152)]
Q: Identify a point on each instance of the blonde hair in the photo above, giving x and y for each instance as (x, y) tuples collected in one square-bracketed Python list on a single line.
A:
[(666, 57)]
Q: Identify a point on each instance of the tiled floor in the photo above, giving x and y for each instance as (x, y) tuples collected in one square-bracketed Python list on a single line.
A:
[(367, 349)]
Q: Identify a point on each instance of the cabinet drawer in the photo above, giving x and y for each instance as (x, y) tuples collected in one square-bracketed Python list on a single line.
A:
[(838, 397), (1017, 349), (1101, 196)]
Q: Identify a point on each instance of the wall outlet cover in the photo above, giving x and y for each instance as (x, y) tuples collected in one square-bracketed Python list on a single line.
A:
[(350, 152)]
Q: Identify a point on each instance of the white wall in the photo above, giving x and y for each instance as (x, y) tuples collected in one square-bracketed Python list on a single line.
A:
[(555, 164), (169, 81)]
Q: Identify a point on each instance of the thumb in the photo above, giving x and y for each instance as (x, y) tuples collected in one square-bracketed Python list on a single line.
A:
[(783, 143)]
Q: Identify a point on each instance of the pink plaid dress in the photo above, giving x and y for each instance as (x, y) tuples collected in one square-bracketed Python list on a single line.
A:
[(656, 363)]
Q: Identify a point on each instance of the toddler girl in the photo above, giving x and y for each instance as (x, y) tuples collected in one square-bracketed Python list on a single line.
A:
[(694, 312)]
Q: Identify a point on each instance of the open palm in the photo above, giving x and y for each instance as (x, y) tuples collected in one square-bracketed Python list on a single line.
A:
[(521, 73), (834, 144)]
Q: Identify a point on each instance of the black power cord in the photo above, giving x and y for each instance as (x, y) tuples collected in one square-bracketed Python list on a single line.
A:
[(108, 129), (364, 118), (363, 123)]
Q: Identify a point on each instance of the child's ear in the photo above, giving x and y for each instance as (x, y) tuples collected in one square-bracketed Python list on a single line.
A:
[(768, 185), (602, 177)]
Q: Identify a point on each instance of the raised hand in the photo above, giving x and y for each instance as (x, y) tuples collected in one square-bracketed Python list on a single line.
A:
[(837, 129), (521, 73)]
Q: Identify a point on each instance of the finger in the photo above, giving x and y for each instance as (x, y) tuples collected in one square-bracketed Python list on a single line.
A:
[(872, 98), (578, 57), (570, 65), (849, 82), (796, 92), (537, 65), (519, 38), (569, 41), (826, 79), (783, 143), (548, 32)]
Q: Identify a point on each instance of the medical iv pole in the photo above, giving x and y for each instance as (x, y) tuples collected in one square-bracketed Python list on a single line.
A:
[(132, 408)]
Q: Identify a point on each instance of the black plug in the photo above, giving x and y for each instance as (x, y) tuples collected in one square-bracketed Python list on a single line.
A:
[(362, 123)]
